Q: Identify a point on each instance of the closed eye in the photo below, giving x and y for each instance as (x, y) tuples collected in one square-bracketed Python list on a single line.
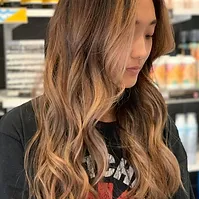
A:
[(149, 36)]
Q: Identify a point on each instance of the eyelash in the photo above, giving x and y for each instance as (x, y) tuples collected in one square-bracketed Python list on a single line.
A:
[(149, 36)]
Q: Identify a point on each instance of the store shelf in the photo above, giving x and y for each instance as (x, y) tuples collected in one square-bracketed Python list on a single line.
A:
[(40, 12), (179, 96), (182, 101)]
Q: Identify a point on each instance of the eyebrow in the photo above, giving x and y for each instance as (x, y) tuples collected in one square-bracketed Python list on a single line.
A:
[(154, 22)]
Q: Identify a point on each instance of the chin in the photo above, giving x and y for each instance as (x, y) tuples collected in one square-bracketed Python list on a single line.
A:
[(130, 84)]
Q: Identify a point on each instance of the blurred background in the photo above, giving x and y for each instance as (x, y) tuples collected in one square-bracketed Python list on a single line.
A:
[(23, 26)]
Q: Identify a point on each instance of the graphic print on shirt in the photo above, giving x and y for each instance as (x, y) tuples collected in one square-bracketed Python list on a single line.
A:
[(119, 177), (105, 191)]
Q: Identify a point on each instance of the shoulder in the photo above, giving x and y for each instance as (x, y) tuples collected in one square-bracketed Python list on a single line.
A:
[(173, 141), (19, 123)]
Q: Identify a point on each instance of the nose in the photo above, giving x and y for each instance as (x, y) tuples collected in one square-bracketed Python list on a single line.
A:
[(139, 49)]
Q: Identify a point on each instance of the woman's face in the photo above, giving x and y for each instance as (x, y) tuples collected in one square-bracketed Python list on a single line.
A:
[(142, 42)]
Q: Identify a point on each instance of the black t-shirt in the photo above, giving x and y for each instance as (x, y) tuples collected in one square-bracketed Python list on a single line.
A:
[(18, 126)]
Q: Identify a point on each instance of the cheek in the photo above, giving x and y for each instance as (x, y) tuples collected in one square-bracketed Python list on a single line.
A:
[(148, 48)]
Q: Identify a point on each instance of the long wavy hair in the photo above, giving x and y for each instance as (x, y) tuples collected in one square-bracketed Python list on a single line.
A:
[(85, 40)]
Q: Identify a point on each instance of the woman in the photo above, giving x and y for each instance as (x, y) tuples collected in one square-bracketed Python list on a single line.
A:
[(101, 128)]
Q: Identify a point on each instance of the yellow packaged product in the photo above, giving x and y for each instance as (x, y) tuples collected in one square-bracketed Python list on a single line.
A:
[(160, 71), (174, 72), (189, 72), (49, 3), (1, 3)]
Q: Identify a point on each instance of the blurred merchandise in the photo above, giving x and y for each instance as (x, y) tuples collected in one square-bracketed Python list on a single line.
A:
[(1, 3), (193, 41), (177, 4), (175, 72), (197, 74), (24, 65), (169, 4), (192, 137), (173, 75), (189, 40), (195, 3), (49, 3), (182, 4), (159, 71), (189, 71), (187, 4), (188, 131), (180, 122), (11, 3), (183, 39), (31, 3), (181, 71)]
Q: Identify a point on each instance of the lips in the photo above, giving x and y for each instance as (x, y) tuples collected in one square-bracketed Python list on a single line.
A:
[(133, 70)]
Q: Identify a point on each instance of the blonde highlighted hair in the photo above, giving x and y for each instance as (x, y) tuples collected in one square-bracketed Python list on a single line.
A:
[(85, 39)]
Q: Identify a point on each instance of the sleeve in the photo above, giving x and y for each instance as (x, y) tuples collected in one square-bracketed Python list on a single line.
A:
[(12, 176), (178, 150)]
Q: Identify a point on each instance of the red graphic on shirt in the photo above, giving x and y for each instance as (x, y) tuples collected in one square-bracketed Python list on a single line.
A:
[(105, 191), (124, 195)]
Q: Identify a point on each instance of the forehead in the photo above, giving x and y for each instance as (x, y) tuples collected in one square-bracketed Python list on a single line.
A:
[(145, 11)]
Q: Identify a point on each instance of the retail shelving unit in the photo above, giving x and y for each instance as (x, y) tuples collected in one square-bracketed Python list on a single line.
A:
[(182, 101), (14, 17)]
